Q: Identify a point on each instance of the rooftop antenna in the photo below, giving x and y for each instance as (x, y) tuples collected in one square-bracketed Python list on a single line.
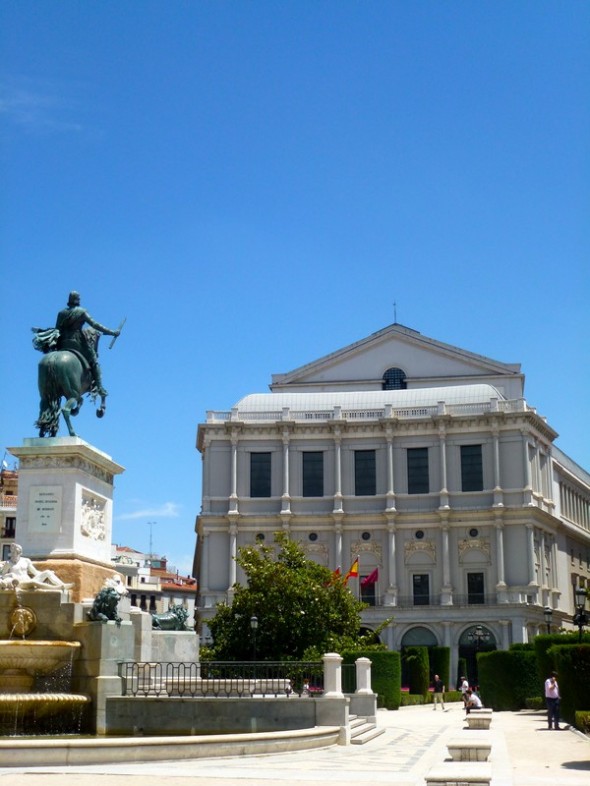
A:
[(395, 312), (151, 524)]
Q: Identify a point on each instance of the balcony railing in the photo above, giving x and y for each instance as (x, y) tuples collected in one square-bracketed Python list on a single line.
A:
[(371, 413), (411, 601)]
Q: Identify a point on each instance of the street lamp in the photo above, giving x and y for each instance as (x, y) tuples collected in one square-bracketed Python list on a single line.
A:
[(254, 628), (548, 613), (478, 636), (581, 615)]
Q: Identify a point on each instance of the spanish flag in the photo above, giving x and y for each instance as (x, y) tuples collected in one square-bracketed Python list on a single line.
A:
[(354, 570)]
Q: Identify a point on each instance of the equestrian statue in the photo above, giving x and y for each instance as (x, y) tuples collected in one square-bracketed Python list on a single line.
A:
[(69, 367)]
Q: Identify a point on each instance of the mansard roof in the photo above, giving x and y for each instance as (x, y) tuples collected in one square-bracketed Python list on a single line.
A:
[(363, 399)]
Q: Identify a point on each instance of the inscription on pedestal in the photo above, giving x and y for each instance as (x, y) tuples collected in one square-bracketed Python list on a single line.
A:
[(45, 508)]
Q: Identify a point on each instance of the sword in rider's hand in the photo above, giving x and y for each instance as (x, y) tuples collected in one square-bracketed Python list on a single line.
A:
[(118, 330)]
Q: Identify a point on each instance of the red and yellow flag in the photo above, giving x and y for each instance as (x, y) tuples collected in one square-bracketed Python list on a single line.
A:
[(354, 570)]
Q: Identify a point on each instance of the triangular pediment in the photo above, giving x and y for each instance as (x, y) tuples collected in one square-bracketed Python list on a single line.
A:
[(425, 362)]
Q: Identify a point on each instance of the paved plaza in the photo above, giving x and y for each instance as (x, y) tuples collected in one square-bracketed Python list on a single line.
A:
[(524, 752)]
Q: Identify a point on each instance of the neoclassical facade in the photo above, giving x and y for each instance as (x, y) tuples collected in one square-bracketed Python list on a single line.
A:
[(424, 461)]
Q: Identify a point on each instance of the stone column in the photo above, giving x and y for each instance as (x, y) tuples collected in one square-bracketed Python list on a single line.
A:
[(390, 496), (204, 578), (528, 488), (392, 589), (233, 497), (338, 545), (530, 537), (444, 492), (500, 573), (338, 472), (233, 552), (286, 499), (447, 589), (498, 495)]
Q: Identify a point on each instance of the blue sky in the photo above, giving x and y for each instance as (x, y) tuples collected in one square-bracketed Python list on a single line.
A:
[(254, 184)]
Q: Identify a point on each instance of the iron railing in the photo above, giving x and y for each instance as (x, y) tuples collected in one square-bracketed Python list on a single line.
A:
[(225, 678)]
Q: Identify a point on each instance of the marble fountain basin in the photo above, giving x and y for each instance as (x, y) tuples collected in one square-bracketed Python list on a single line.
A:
[(24, 658)]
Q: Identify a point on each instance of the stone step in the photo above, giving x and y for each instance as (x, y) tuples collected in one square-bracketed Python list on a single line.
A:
[(365, 733)]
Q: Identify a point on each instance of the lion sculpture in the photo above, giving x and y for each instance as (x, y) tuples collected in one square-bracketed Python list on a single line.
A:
[(173, 619), (104, 608)]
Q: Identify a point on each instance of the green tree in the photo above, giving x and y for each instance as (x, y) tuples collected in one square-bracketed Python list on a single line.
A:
[(303, 611)]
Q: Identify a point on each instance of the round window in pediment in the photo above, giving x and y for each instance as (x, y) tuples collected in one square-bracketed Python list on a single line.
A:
[(394, 379)]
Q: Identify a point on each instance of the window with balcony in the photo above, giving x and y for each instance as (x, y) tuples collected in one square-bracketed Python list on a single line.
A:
[(421, 589), (365, 477), (367, 592), (475, 588), (313, 474), (418, 482), (471, 468), (260, 474)]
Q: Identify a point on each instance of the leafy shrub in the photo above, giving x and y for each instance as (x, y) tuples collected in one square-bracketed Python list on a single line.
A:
[(440, 663), (582, 721), (507, 678), (416, 659), (572, 663), (386, 674), (535, 703), (411, 699)]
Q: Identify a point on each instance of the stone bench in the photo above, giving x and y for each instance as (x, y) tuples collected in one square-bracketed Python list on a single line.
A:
[(479, 719), (460, 774), (470, 747)]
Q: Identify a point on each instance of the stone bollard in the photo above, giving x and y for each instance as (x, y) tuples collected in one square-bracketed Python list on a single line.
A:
[(363, 677), (332, 676)]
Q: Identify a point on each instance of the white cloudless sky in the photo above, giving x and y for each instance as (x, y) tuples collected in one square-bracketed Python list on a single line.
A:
[(254, 184)]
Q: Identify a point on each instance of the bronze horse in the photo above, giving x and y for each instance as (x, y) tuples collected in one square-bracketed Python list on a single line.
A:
[(65, 374)]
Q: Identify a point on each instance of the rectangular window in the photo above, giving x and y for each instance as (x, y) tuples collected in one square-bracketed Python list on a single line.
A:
[(260, 474), (418, 482), (475, 588), (421, 588), (9, 530), (367, 592), (471, 468), (365, 478), (313, 474)]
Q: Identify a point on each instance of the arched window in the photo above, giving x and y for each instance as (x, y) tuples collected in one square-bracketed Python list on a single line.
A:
[(394, 379)]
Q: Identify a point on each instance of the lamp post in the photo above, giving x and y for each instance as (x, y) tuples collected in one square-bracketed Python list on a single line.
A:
[(253, 628), (548, 614), (581, 615), (478, 636)]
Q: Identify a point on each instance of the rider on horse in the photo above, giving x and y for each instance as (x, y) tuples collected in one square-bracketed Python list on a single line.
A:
[(69, 335)]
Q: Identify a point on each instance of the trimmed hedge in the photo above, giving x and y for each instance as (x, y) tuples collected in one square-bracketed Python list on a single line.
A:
[(545, 661), (416, 659), (386, 675), (572, 663), (507, 678), (440, 663), (583, 721)]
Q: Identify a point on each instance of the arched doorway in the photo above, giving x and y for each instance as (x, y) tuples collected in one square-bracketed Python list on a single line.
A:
[(418, 636), (475, 639)]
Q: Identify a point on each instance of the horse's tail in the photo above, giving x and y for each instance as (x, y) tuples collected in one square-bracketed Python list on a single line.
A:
[(50, 391)]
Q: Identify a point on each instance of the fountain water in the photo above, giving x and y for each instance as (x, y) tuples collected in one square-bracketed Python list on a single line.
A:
[(35, 677)]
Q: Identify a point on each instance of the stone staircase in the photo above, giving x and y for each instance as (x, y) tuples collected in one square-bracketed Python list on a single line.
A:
[(362, 730)]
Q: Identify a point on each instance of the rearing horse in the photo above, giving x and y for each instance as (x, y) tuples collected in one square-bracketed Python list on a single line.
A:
[(64, 374)]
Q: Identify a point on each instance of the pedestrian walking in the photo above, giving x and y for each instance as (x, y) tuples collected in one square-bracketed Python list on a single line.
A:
[(552, 698), (438, 696)]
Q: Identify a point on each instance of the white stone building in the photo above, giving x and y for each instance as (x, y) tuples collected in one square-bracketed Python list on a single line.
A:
[(424, 461)]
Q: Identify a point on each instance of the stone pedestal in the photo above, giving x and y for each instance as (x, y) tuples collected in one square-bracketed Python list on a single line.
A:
[(65, 509)]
